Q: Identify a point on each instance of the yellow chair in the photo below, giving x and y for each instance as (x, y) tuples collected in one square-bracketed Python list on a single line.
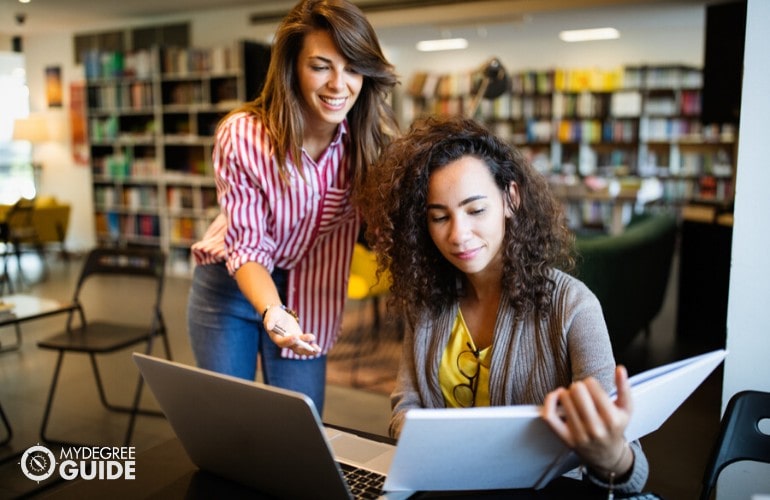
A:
[(363, 284), (365, 288)]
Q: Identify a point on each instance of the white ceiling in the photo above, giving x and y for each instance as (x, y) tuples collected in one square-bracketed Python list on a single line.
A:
[(41, 16)]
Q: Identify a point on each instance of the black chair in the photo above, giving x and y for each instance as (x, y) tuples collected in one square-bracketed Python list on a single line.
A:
[(739, 436), (123, 267)]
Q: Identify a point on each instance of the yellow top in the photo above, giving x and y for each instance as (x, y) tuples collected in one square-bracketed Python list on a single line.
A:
[(464, 371)]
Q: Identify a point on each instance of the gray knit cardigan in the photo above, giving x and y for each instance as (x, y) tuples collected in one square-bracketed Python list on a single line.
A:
[(529, 359)]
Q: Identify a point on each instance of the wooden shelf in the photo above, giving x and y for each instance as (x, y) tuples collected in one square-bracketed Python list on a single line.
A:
[(151, 141)]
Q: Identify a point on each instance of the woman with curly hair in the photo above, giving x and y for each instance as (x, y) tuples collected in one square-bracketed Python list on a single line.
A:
[(476, 246), (286, 166)]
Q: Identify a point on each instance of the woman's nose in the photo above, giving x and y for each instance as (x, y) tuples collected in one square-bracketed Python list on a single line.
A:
[(337, 80), (458, 231)]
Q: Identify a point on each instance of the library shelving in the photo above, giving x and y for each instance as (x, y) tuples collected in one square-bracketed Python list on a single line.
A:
[(152, 117), (634, 124)]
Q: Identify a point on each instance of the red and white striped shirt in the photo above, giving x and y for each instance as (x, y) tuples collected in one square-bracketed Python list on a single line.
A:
[(308, 228)]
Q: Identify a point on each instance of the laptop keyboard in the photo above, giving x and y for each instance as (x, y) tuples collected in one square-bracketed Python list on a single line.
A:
[(363, 484)]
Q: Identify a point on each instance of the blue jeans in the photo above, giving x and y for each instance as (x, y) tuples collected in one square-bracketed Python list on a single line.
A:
[(227, 335)]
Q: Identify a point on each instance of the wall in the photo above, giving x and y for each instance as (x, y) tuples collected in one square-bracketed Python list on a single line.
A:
[(748, 317), (61, 177)]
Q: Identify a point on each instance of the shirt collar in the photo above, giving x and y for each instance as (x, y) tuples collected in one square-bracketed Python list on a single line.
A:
[(342, 131)]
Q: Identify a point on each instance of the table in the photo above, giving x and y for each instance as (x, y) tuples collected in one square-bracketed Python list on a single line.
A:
[(165, 471), (575, 196), (27, 308)]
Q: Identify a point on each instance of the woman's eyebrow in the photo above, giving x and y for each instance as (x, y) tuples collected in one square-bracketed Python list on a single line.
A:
[(321, 58), (470, 199)]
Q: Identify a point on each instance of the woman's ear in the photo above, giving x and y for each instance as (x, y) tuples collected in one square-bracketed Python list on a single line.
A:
[(513, 199)]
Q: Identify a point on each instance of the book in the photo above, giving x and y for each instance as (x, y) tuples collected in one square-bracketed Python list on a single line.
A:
[(504, 447)]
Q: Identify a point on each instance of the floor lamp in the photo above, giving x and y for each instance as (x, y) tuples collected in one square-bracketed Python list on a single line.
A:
[(37, 128)]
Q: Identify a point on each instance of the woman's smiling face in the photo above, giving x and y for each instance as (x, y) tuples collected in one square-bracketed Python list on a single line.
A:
[(466, 215), (328, 84)]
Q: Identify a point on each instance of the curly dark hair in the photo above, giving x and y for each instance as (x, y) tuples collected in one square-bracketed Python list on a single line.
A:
[(393, 203)]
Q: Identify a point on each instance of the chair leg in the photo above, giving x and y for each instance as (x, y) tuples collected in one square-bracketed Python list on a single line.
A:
[(7, 424), (7, 277), (17, 250), (49, 402), (40, 249), (134, 411), (103, 395), (166, 344), (13, 347)]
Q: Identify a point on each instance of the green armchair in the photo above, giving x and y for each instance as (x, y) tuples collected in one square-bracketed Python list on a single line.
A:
[(629, 273)]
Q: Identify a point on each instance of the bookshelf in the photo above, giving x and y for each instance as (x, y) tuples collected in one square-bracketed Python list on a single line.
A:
[(152, 117), (630, 124)]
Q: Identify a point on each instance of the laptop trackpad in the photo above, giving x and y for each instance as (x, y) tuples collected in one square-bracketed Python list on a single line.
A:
[(360, 451)]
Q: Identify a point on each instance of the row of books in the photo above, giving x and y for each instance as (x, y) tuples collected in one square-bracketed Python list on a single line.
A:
[(595, 131), (135, 96), (110, 128), (627, 103), (670, 129), (138, 96), (183, 93), (124, 167), (143, 64), (114, 64), (118, 226), (443, 85), (186, 60), (131, 197), (183, 230), (180, 198), (669, 77), (686, 102), (706, 188), (697, 164), (183, 197)]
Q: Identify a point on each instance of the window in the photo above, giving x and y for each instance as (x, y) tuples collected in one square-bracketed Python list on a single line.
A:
[(16, 173)]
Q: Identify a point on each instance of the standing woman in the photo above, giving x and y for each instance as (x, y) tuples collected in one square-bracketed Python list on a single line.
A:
[(474, 240), (286, 166)]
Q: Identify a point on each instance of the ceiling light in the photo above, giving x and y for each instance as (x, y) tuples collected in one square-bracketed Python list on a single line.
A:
[(442, 44), (589, 34)]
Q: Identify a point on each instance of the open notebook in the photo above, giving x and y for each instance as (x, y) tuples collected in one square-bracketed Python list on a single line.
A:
[(273, 440)]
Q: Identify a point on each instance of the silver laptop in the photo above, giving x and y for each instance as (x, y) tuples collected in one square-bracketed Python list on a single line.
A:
[(267, 438)]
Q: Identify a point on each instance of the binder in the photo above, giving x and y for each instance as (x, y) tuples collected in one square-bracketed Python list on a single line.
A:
[(503, 447)]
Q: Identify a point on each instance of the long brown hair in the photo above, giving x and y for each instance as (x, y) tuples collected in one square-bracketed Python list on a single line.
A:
[(372, 121)]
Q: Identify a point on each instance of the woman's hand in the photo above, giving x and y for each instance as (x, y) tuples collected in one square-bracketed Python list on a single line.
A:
[(285, 332), (591, 424)]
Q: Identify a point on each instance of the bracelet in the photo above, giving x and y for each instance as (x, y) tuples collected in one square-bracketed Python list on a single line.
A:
[(291, 312), (611, 482)]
